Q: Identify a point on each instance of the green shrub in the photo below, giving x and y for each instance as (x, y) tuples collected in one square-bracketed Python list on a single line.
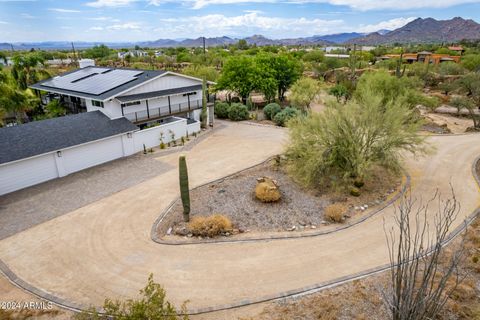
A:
[(238, 112), (355, 192), (271, 110), (221, 110), (286, 114), (358, 183)]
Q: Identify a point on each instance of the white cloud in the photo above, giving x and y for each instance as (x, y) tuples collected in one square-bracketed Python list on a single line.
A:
[(99, 18), (27, 16), (66, 27), (391, 24), (361, 5), (95, 29), (64, 10), (3, 22), (109, 3), (125, 26), (248, 23)]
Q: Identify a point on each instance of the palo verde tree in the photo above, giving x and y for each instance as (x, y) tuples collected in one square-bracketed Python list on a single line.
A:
[(304, 92), (345, 141), (470, 85)]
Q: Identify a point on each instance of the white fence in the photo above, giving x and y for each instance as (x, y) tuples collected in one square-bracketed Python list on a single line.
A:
[(171, 131)]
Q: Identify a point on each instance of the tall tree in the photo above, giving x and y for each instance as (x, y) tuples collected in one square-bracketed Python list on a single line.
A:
[(27, 69), (238, 75)]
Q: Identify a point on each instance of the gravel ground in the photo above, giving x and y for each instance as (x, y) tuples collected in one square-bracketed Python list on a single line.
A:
[(235, 198)]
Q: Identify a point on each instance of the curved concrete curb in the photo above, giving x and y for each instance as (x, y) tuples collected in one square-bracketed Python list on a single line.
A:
[(14, 279), (281, 236)]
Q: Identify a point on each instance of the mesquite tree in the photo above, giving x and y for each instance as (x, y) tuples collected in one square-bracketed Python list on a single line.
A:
[(422, 277), (184, 190)]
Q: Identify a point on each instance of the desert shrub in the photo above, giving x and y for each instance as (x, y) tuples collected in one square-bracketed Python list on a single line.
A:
[(151, 305), (238, 112), (450, 68), (221, 110), (209, 226), (355, 192), (335, 212), (345, 141), (285, 115), (271, 110)]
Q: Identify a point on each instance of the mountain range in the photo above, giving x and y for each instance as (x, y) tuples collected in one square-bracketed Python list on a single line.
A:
[(420, 30), (426, 30)]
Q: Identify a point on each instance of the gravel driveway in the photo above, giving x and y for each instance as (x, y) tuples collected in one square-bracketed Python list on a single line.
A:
[(28, 207)]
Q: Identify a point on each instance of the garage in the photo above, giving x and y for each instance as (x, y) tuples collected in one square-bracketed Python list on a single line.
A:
[(22, 174), (39, 151), (92, 154)]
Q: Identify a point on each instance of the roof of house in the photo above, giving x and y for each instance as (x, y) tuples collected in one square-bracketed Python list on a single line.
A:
[(39, 137), (455, 48), (97, 83), (160, 93)]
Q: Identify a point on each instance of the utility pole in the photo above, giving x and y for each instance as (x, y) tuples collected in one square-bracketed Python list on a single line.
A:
[(75, 56), (11, 46)]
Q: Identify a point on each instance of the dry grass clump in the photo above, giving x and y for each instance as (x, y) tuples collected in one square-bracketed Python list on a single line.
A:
[(210, 226), (335, 212), (267, 190)]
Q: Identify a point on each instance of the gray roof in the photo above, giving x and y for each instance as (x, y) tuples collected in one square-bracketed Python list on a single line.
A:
[(160, 93), (98, 83), (39, 137)]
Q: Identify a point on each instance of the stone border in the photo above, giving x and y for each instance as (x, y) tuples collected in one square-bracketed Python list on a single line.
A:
[(282, 235), (15, 280)]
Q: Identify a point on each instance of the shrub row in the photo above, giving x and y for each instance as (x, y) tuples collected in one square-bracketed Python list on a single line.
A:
[(234, 112)]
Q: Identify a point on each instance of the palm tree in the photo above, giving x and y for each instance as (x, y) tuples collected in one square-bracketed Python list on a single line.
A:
[(26, 69)]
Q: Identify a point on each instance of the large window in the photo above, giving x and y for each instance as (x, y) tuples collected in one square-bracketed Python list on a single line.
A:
[(97, 103)]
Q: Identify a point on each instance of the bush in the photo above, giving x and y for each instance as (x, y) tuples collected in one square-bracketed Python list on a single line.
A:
[(335, 212), (221, 110), (355, 192), (330, 148), (152, 304), (286, 114), (238, 112), (210, 226), (267, 190), (271, 110)]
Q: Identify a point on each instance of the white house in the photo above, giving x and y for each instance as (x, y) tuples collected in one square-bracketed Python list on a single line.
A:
[(132, 53), (118, 112)]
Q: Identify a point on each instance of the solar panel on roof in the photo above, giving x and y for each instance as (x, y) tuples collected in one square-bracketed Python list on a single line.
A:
[(93, 80)]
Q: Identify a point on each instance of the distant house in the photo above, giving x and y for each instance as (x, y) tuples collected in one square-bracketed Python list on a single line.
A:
[(458, 49), (132, 53), (117, 112), (423, 57)]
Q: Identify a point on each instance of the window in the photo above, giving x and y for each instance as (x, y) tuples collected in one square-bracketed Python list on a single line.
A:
[(97, 103), (133, 103)]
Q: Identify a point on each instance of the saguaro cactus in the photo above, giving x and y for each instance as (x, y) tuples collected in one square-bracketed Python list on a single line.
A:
[(184, 191), (203, 115)]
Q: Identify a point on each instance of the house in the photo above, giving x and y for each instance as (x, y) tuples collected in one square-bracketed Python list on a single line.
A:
[(423, 57), (132, 53), (458, 49), (116, 113)]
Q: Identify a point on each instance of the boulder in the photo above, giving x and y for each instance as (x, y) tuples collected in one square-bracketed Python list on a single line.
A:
[(267, 190)]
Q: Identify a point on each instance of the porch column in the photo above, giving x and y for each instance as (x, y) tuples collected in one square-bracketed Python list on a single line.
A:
[(148, 110)]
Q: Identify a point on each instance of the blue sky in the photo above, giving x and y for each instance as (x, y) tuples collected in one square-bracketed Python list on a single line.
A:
[(139, 20)]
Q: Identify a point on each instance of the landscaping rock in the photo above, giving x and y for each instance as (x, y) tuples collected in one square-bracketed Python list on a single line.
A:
[(293, 228), (267, 190), (169, 231)]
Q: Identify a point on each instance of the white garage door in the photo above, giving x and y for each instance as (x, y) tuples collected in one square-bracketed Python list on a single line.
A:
[(88, 155), (26, 173)]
